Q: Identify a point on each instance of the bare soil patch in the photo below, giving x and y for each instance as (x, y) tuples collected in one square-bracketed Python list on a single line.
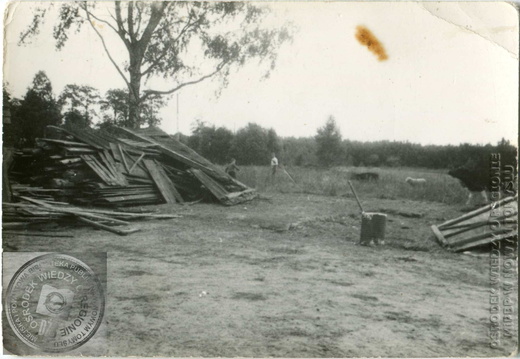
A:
[(286, 278)]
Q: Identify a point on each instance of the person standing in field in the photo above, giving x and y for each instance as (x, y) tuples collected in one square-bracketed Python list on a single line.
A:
[(274, 164), (232, 168)]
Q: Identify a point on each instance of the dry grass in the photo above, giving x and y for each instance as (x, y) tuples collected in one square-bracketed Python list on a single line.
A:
[(334, 182)]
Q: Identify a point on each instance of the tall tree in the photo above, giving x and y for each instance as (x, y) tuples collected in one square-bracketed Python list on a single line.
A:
[(250, 145), (37, 110), (182, 42), (10, 106), (149, 110), (77, 103), (273, 142), (116, 107), (211, 142), (328, 140)]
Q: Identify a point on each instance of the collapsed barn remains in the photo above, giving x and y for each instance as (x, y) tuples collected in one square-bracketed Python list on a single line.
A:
[(114, 167)]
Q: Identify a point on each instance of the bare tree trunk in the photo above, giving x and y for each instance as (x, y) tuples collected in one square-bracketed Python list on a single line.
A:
[(134, 118)]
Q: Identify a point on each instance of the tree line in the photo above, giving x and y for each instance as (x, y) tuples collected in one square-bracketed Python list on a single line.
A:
[(83, 106), (253, 144), (76, 106)]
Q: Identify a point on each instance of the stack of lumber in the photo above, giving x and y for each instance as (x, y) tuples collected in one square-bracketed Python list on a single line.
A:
[(492, 223), (30, 211), (118, 167)]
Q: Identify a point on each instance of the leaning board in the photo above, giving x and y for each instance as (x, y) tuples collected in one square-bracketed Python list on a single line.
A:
[(485, 225)]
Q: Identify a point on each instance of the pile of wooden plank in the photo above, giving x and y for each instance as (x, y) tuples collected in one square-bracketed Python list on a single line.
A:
[(492, 223), (118, 167), (29, 211)]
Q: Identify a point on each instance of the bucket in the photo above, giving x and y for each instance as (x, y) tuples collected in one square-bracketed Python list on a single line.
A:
[(373, 227)]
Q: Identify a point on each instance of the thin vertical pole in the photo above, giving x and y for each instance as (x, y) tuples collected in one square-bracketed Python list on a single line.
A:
[(178, 132), (355, 195)]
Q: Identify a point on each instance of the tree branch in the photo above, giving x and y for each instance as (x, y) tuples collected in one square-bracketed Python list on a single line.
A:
[(122, 31), (139, 18), (84, 6), (155, 19), (148, 93), (130, 21), (106, 49), (188, 25)]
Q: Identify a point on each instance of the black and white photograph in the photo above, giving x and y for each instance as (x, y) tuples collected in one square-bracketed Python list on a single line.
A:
[(325, 179)]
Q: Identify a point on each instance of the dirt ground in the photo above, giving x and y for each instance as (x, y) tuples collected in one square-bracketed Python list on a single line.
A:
[(285, 277)]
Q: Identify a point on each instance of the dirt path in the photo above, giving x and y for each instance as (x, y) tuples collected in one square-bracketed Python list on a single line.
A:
[(286, 278)]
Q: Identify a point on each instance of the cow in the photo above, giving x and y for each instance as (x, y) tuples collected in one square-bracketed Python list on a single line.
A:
[(415, 181), (495, 173), (366, 176), (475, 180)]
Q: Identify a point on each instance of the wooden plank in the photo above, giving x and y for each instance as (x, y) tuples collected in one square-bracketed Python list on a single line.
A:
[(65, 143), (132, 215), (73, 211), (69, 161), (107, 165), (474, 242), (14, 225), (176, 193), (131, 197), (476, 212), (88, 135), (489, 237), (218, 191), (122, 232), (480, 226), (77, 136), (115, 152), (116, 168), (99, 171), (109, 162), (475, 225), (162, 181), (102, 169), (122, 154), (92, 162), (136, 162), (79, 150), (171, 153), (31, 234), (138, 170)]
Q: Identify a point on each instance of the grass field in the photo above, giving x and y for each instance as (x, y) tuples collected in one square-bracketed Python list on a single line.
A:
[(334, 182)]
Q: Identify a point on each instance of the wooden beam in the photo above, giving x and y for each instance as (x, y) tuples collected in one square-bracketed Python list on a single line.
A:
[(122, 154), (64, 143), (163, 183), (494, 205), (93, 163), (121, 232), (136, 162)]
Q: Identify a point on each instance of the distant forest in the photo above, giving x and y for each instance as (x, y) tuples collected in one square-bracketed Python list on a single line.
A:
[(253, 145), (82, 106)]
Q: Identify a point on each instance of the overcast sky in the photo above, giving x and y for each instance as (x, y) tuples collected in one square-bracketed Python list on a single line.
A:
[(451, 74)]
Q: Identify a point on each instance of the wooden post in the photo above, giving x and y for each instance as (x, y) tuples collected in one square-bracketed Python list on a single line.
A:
[(373, 227)]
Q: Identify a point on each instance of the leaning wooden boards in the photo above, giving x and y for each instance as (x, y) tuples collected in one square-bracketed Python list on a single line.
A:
[(485, 225), (163, 182)]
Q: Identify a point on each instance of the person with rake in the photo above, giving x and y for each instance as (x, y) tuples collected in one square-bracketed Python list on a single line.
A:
[(232, 168)]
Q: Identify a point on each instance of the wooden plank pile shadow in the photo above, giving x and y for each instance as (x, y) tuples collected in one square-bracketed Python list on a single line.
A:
[(115, 167)]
